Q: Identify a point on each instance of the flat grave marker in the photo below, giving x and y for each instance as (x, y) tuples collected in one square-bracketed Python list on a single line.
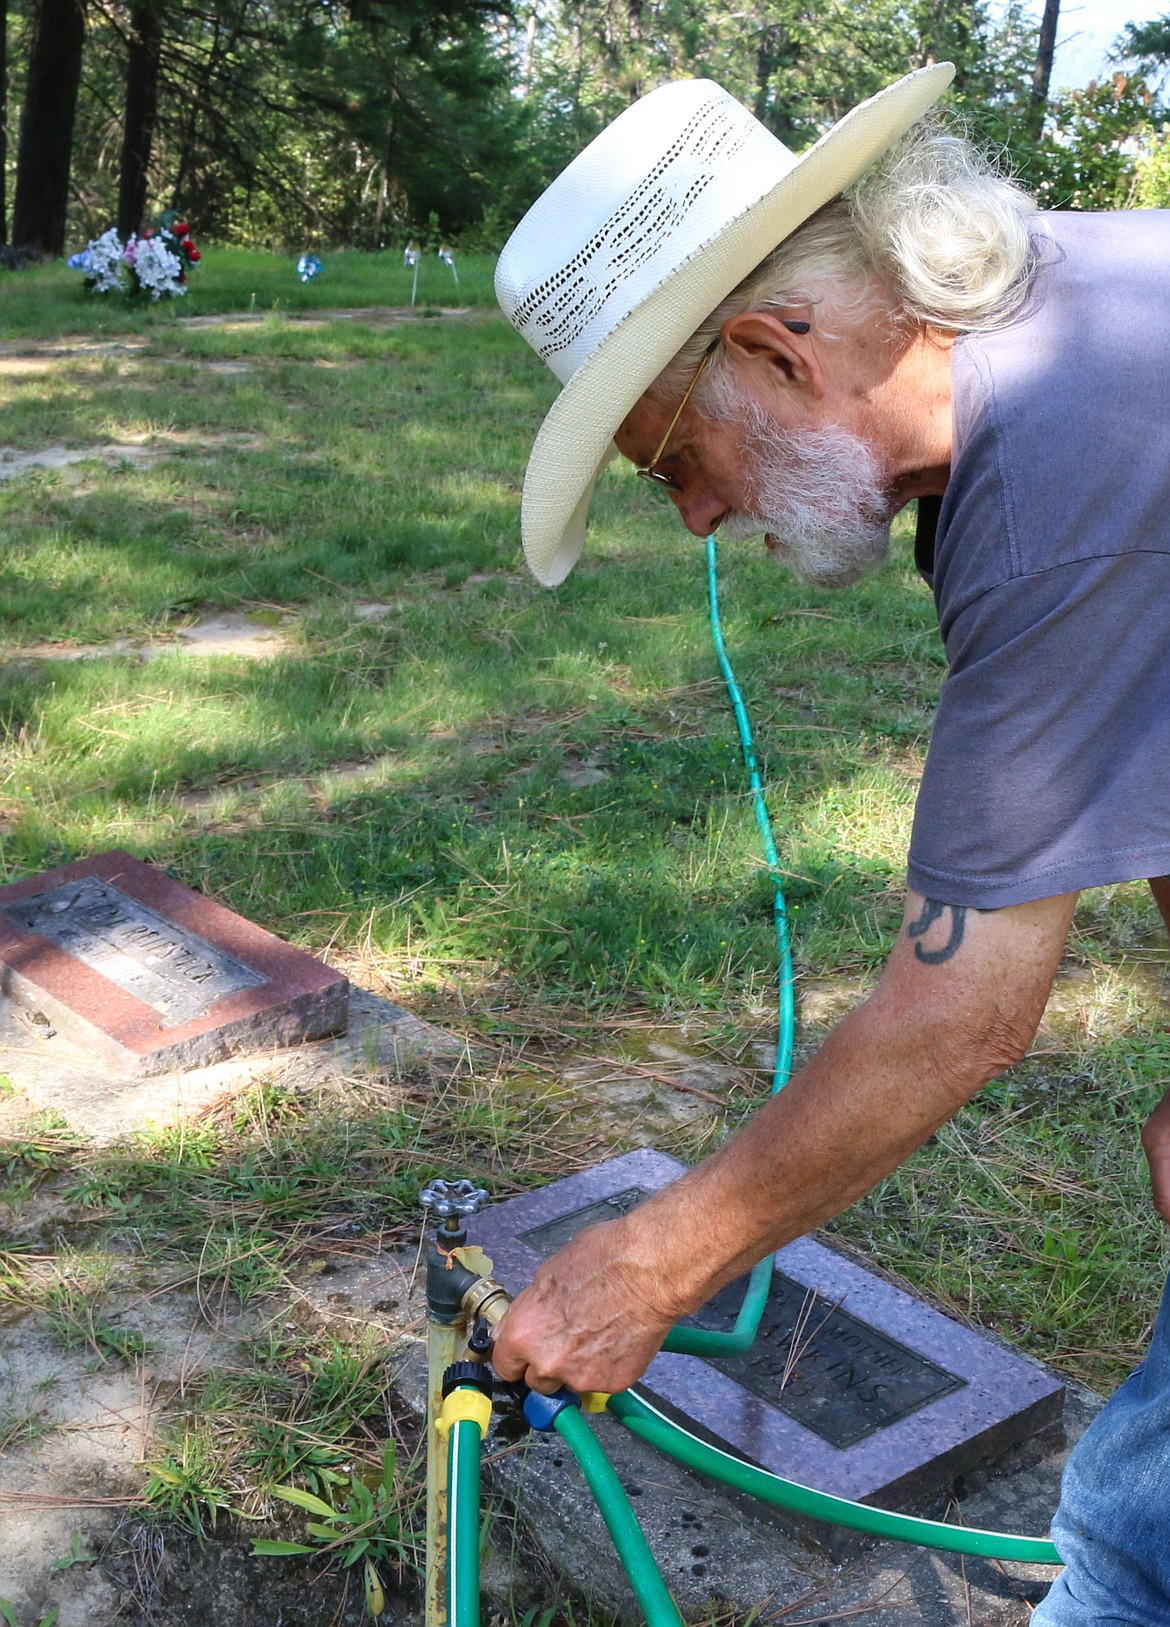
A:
[(150, 976), (853, 1386)]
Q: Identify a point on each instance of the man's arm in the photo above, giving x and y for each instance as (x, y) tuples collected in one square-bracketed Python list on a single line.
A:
[(958, 1001)]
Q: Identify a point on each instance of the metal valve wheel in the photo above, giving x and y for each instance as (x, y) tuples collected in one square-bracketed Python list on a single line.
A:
[(450, 1199)]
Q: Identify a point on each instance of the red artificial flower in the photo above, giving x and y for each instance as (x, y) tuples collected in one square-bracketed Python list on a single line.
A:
[(148, 232), (187, 243), (181, 228), (194, 255)]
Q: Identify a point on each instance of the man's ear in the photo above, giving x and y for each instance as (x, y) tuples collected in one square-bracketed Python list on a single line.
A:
[(766, 340)]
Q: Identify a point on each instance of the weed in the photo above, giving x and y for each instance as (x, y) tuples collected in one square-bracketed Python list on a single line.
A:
[(76, 1555), (8, 1615), (365, 1524), (184, 1486)]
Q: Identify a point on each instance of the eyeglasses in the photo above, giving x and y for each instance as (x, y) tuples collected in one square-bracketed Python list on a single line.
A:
[(655, 476)]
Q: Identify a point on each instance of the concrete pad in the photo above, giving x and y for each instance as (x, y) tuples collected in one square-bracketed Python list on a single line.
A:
[(52, 1073)]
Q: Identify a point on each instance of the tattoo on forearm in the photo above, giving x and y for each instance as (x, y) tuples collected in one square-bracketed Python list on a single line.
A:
[(933, 911)]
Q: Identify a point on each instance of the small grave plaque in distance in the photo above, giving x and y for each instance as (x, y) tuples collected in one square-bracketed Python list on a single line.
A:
[(854, 1386), (150, 976)]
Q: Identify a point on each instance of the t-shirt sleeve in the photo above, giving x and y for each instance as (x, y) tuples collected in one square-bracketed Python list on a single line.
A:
[(1049, 764)]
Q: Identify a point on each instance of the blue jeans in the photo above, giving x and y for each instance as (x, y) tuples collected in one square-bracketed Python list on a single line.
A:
[(1112, 1528)]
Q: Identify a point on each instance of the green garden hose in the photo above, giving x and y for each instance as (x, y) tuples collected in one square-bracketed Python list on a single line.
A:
[(463, 1443), (633, 1550), (703, 1341), (641, 1419)]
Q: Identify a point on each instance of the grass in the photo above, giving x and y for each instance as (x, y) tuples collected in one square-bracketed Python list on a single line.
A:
[(50, 300), (521, 814)]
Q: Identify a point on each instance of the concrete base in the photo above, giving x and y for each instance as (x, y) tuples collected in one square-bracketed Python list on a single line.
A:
[(717, 1556), (52, 1072)]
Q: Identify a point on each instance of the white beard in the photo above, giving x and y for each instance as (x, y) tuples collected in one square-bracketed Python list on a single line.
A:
[(817, 494)]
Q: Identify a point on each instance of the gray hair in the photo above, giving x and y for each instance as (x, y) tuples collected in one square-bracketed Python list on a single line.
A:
[(929, 236)]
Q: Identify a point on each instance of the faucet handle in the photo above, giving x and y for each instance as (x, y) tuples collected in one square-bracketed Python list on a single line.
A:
[(450, 1199)]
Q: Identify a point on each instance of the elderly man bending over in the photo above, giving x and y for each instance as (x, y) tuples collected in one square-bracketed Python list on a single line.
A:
[(798, 347)]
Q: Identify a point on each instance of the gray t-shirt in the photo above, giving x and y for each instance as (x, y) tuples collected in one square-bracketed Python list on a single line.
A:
[(1049, 764)]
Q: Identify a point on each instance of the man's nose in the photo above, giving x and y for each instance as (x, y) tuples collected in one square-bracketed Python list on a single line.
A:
[(701, 511)]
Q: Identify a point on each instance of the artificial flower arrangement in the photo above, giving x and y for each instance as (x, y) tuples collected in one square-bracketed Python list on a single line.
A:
[(155, 263)]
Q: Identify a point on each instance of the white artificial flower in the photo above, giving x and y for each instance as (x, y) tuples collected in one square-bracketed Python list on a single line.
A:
[(156, 268), (105, 263)]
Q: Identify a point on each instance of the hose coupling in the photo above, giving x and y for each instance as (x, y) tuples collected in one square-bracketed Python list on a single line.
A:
[(465, 1402), (542, 1411), (485, 1298), (471, 1373)]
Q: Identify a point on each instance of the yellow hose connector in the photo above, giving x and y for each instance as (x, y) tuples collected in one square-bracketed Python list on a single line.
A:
[(464, 1402), (594, 1400)]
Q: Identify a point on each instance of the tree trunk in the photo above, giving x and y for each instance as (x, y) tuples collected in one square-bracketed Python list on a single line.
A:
[(3, 121), (1038, 104), (46, 126), (634, 23), (142, 65)]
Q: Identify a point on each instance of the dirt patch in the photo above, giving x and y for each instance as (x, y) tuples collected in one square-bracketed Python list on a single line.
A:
[(369, 315), (15, 462), (227, 632), (83, 1430), (74, 347)]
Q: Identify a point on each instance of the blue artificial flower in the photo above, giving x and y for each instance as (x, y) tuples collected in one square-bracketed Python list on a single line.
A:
[(79, 261), (308, 267)]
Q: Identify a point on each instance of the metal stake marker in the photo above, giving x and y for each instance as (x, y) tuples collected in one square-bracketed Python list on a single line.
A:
[(411, 257)]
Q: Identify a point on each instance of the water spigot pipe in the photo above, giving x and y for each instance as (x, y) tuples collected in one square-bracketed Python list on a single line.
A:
[(448, 1279)]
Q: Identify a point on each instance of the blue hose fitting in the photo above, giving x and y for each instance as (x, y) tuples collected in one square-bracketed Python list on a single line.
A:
[(542, 1411)]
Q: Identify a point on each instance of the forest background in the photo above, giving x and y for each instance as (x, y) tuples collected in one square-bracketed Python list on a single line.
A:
[(315, 123)]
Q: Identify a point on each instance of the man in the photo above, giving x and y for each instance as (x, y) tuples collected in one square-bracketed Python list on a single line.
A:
[(782, 359)]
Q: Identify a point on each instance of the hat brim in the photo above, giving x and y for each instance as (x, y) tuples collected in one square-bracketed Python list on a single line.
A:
[(574, 442)]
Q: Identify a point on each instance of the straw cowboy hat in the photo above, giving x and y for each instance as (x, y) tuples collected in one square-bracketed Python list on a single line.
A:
[(635, 244)]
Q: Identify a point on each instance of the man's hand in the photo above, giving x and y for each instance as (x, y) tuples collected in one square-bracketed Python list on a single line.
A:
[(591, 1318), (1156, 1146)]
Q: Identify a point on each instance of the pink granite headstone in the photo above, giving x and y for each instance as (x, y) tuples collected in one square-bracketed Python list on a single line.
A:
[(151, 976)]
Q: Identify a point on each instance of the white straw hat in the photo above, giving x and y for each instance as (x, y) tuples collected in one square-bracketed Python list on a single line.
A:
[(635, 244)]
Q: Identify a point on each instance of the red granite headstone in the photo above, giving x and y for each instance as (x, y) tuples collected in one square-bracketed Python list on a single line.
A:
[(151, 976)]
